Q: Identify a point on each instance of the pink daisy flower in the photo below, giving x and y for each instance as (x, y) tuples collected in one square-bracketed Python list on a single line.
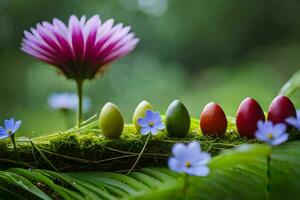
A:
[(80, 49)]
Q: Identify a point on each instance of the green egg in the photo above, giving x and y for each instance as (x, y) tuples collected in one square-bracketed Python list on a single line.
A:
[(177, 120), (140, 113), (111, 121)]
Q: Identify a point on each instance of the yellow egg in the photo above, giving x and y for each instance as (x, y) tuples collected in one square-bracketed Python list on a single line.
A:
[(111, 121), (140, 113)]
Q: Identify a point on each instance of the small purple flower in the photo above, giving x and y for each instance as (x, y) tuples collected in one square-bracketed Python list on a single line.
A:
[(67, 101), (270, 133), (189, 159), (10, 128), (294, 121), (151, 123)]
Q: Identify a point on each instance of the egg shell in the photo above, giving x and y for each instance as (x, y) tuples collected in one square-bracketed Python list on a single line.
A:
[(140, 113), (213, 120), (177, 120), (111, 121), (248, 114), (280, 109)]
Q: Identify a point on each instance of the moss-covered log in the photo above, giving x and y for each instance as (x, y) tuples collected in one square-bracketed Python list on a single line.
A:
[(87, 149)]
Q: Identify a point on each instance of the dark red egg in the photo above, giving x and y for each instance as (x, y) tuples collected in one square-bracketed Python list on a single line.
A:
[(280, 109), (213, 120), (248, 114)]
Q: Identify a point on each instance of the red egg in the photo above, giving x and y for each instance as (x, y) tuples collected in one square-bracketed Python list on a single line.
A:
[(280, 109), (248, 114), (213, 120)]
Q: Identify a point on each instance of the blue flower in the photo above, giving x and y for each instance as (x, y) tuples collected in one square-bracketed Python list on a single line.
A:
[(151, 123), (189, 159), (294, 121), (270, 133), (67, 101), (10, 128)]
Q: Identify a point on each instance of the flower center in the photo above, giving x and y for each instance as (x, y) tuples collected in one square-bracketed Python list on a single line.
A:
[(151, 124), (270, 136), (188, 164), (9, 131)]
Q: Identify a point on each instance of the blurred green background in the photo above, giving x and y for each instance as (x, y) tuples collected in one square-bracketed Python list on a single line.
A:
[(197, 50)]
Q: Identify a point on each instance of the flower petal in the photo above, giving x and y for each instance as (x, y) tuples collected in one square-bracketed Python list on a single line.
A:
[(280, 140), (179, 151), (291, 120), (261, 135), (77, 36), (279, 129), (90, 34), (260, 124), (202, 158), (294, 121), (142, 122), (3, 133), (154, 131), (9, 123), (298, 114), (198, 171), (269, 126), (17, 126), (156, 118), (175, 165), (145, 130), (194, 148), (160, 126), (149, 115)]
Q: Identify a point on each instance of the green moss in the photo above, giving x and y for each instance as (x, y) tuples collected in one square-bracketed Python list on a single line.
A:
[(3, 145), (65, 142)]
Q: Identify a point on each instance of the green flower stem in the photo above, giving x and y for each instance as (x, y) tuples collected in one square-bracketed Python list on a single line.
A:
[(12, 137), (185, 185), (79, 93), (142, 151), (268, 189)]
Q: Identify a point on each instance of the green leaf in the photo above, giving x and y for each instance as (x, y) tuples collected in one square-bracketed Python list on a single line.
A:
[(33, 175), (291, 85), (88, 190), (239, 173), (21, 182), (285, 171)]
